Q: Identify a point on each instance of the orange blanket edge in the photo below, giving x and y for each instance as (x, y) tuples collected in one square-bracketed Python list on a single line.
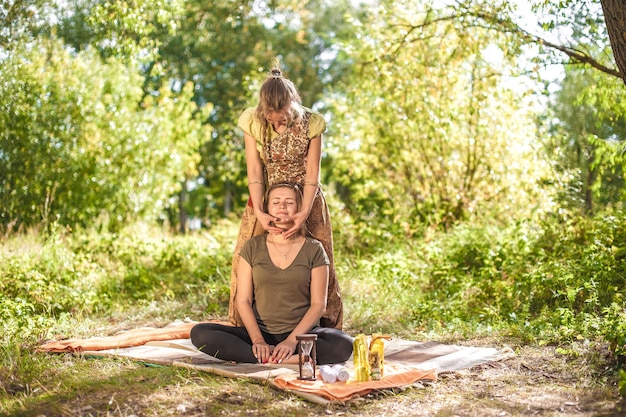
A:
[(343, 391), (136, 337)]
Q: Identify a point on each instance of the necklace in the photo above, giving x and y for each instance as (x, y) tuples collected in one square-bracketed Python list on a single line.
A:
[(284, 255)]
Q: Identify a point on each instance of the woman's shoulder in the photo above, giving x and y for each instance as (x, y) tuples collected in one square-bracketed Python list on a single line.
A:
[(313, 243), (248, 121), (247, 112), (317, 123), (254, 242), (314, 115), (258, 239), (316, 252)]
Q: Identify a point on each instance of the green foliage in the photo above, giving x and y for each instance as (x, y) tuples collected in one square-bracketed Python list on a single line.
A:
[(557, 281), (579, 266), (622, 383), (22, 20), (418, 137), (583, 18), (126, 29), (75, 275), (614, 327), (43, 281), (588, 132), (79, 142), (223, 48), (147, 269)]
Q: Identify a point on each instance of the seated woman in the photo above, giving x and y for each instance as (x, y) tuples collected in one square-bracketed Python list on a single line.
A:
[(281, 292)]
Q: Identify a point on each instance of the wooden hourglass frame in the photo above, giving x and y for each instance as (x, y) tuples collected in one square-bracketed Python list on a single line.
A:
[(307, 356)]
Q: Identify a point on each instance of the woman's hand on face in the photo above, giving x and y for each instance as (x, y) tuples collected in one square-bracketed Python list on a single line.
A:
[(298, 220), (283, 351), (262, 351), (267, 221)]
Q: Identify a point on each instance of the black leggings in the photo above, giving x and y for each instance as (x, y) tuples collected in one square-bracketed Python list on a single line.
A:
[(233, 343)]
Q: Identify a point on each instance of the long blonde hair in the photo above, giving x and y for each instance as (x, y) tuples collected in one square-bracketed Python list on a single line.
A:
[(278, 94)]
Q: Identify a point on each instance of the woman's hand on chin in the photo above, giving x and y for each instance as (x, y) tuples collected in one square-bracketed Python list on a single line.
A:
[(297, 220)]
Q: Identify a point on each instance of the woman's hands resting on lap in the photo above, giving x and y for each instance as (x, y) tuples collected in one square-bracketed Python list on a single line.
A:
[(283, 351), (262, 351), (275, 354)]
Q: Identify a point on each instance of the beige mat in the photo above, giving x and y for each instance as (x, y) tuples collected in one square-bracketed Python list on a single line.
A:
[(407, 362)]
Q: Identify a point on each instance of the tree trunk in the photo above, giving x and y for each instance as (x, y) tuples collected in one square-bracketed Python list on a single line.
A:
[(182, 213), (228, 198), (615, 18)]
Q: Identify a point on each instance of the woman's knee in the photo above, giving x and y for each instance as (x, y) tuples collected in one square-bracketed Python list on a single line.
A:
[(336, 348), (200, 335), (344, 347), (195, 335)]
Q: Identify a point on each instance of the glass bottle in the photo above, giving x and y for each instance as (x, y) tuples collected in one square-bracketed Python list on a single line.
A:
[(376, 356), (361, 363)]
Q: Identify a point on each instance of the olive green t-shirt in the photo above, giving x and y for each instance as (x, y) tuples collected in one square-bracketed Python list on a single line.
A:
[(281, 297)]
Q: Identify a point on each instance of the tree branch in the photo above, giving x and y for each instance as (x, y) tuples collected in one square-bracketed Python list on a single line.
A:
[(574, 54), (580, 57), (506, 25)]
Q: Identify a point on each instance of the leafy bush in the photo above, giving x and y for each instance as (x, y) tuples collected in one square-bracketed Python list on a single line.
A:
[(81, 273), (614, 328), (159, 267), (555, 280), (80, 140), (46, 279)]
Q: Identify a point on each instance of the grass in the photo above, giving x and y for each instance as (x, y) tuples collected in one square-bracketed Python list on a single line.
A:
[(476, 286)]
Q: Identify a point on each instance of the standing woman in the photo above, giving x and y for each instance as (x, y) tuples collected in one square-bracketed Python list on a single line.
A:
[(283, 141)]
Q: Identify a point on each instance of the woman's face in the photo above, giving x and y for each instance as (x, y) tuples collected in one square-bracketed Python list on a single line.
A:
[(282, 204), (278, 120)]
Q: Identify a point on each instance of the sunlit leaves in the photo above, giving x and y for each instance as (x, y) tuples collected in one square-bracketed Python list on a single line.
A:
[(444, 136), (21, 19), (125, 28), (77, 146), (589, 130)]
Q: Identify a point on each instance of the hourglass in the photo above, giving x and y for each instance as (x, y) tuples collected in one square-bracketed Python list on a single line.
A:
[(307, 356)]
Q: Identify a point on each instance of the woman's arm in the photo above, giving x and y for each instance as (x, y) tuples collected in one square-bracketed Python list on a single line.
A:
[(319, 294), (256, 183), (311, 184), (244, 298)]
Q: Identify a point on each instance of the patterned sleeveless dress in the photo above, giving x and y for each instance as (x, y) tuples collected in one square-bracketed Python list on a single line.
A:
[(284, 159)]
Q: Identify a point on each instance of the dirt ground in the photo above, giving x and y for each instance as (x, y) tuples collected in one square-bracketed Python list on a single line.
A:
[(538, 381)]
